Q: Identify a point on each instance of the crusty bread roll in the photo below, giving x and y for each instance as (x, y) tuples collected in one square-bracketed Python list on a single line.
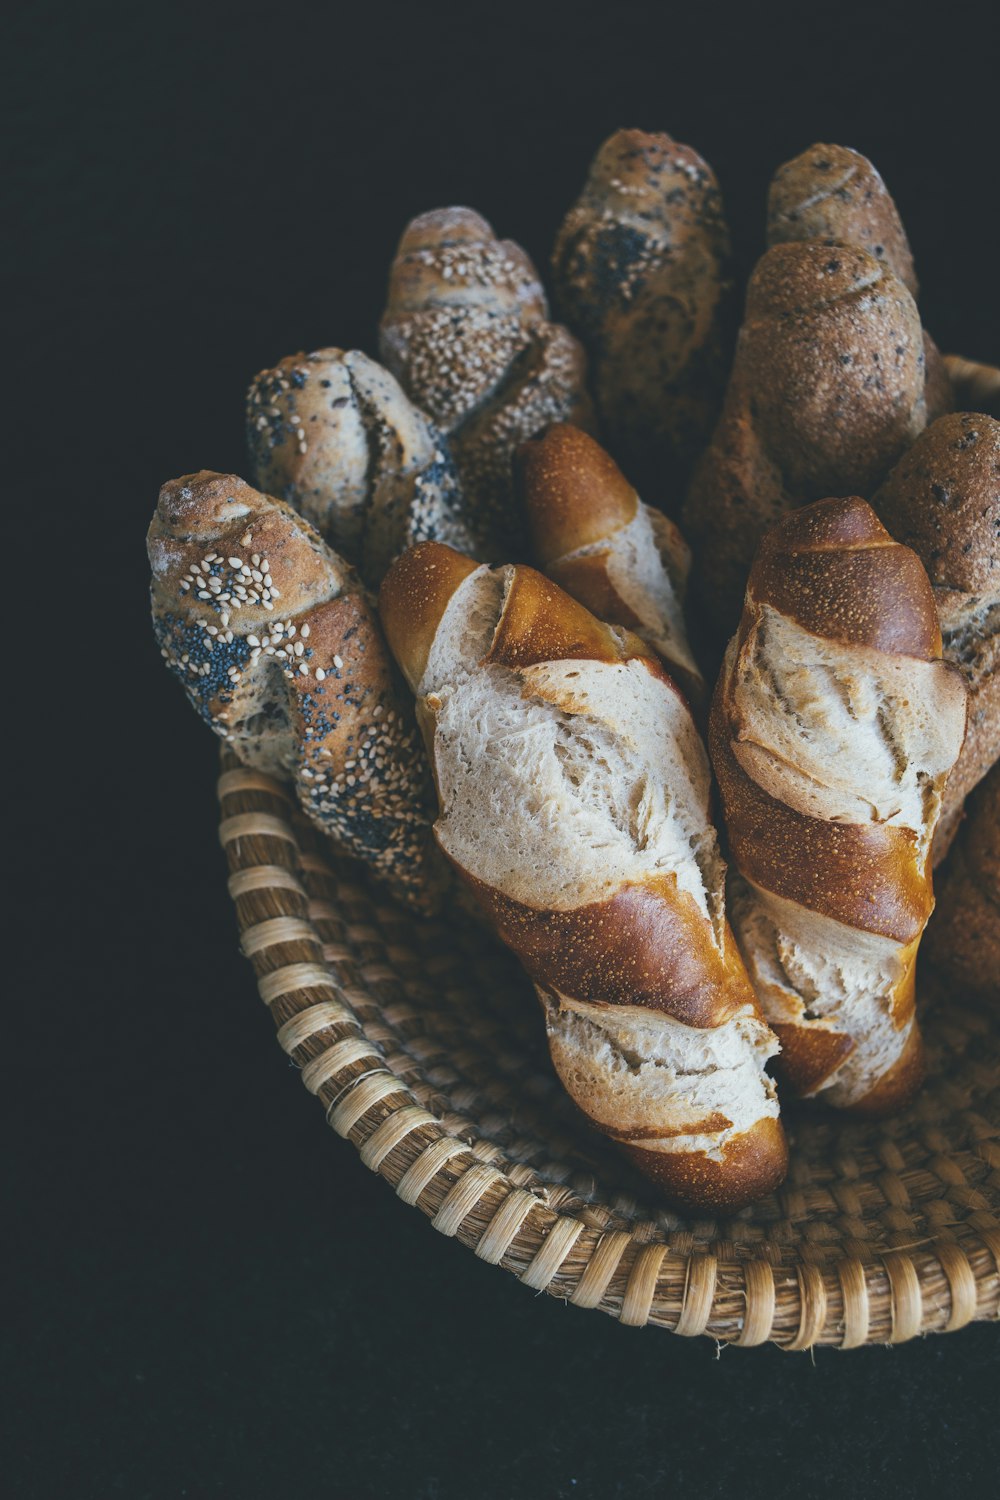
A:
[(827, 390), (280, 650), (574, 796), (592, 535), (943, 500), (834, 193), (836, 196), (466, 329), (642, 276), (335, 435), (963, 936), (833, 728)]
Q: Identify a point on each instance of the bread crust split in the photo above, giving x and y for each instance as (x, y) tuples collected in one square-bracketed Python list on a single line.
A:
[(592, 535), (466, 330), (335, 435), (943, 500), (573, 804), (642, 274), (279, 649), (834, 726)]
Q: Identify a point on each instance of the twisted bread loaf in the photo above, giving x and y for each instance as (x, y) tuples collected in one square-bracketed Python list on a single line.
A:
[(833, 729), (336, 436), (943, 500), (826, 391), (592, 535), (573, 794), (641, 266), (281, 653), (836, 196), (963, 937), (466, 330)]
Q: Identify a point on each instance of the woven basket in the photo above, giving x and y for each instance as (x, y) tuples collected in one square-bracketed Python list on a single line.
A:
[(425, 1045)]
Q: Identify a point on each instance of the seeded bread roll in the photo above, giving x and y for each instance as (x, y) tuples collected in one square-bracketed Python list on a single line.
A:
[(943, 500), (280, 651), (827, 390), (574, 797), (592, 535), (335, 435), (963, 936), (642, 276), (833, 729), (467, 332), (836, 196)]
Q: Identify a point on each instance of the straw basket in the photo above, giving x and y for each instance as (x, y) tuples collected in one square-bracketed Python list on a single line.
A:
[(424, 1044)]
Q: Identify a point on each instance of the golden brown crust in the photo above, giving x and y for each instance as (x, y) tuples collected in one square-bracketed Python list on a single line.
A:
[(574, 492), (864, 875), (541, 623), (751, 1165), (834, 569), (647, 946), (413, 597), (834, 193), (809, 1055)]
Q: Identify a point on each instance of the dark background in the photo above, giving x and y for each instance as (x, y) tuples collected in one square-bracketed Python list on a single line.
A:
[(199, 190)]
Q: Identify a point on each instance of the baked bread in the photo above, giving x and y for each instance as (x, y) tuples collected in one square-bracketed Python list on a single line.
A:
[(833, 728), (280, 651), (963, 936), (834, 193), (943, 500), (574, 796), (592, 535), (826, 392), (466, 330), (642, 277), (836, 196), (335, 435)]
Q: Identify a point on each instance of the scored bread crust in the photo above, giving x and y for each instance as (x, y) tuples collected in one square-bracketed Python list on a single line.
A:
[(943, 500), (573, 795), (593, 536), (280, 651), (833, 729), (466, 330), (828, 388), (642, 274), (335, 435)]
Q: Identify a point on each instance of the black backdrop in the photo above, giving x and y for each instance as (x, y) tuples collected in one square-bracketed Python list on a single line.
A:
[(199, 190)]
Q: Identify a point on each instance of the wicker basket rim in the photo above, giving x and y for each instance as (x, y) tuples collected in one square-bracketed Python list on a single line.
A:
[(471, 1191)]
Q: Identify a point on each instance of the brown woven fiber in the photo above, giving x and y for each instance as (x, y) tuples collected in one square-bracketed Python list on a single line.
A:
[(424, 1044)]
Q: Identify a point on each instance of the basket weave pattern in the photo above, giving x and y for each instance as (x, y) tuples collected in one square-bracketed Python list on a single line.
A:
[(424, 1043)]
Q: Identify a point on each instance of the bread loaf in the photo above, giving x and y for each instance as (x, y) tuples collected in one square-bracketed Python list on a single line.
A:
[(836, 196), (833, 728), (336, 436), (976, 387), (826, 392), (943, 500), (280, 651), (574, 796), (592, 535), (963, 936), (466, 329), (642, 276)]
